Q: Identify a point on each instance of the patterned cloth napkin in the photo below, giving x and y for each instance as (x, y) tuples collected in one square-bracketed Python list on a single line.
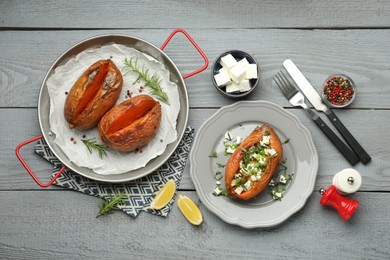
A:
[(139, 193)]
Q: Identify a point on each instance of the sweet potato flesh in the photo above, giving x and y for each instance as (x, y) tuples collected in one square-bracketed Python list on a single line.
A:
[(131, 115), (93, 90)]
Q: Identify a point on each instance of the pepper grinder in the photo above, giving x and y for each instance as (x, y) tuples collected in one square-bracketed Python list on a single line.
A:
[(344, 206), (347, 181)]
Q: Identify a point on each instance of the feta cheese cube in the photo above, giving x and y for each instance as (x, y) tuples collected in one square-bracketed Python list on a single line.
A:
[(238, 190), (223, 70), (244, 62), (237, 73), (228, 61), (244, 85), (251, 71), (232, 87), (222, 78)]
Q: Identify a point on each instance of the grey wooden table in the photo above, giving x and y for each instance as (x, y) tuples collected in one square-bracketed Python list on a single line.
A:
[(323, 37)]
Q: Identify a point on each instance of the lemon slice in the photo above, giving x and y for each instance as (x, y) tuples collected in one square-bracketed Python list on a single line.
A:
[(189, 210), (164, 196)]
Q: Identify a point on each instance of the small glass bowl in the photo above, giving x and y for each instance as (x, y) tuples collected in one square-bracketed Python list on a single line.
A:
[(238, 55), (340, 89)]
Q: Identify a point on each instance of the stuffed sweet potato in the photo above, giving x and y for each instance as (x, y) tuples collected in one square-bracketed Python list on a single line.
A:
[(92, 95), (131, 124), (253, 164)]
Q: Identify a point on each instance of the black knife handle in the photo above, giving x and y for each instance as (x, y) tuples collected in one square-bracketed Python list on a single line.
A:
[(340, 145), (356, 147)]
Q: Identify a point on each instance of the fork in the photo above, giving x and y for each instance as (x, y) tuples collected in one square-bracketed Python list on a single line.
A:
[(296, 98)]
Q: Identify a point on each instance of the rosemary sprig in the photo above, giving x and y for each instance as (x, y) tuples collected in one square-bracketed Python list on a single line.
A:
[(91, 145), (152, 81), (108, 206)]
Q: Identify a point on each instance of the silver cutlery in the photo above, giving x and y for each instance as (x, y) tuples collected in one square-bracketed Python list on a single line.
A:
[(315, 99), (297, 99)]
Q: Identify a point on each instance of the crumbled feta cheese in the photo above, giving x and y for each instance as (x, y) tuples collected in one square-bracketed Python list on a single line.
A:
[(218, 190), (282, 179), (251, 71), (239, 190), (271, 152), (222, 78), (238, 140), (277, 194), (248, 185), (228, 61), (265, 140), (263, 161), (256, 177), (218, 182), (237, 73), (237, 175), (228, 136), (272, 183), (230, 150)]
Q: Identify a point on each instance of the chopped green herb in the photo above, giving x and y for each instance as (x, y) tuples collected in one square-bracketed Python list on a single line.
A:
[(214, 154), (286, 141), (218, 176), (221, 165)]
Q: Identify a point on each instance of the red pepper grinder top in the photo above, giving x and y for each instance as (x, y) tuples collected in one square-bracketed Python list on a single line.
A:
[(344, 206)]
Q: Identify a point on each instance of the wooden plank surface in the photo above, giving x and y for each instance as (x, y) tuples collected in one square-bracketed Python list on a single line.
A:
[(321, 37), (194, 14), (66, 229), (319, 54)]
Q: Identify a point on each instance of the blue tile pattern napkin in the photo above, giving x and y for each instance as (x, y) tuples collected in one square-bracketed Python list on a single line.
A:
[(139, 193)]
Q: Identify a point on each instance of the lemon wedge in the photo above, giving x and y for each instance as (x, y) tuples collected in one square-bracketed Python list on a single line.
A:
[(189, 210), (164, 196)]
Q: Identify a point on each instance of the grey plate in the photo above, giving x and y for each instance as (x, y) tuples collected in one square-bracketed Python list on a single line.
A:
[(241, 118), (145, 47)]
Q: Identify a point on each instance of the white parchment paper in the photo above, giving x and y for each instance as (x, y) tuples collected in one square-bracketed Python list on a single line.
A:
[(62, 80)]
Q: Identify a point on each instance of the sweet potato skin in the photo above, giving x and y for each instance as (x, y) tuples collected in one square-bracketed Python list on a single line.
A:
[(233, 164), (105, 98), (141, 125)]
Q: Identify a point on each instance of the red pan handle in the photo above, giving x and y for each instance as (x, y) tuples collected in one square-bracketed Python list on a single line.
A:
[(43, 185), (206, 61)]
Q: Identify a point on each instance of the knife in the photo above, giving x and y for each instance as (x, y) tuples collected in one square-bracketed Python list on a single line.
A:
[(315, 99)]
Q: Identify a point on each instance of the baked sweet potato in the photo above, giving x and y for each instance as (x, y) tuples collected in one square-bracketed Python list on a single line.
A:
[(131, 124), (253, 164), (92, 95)]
